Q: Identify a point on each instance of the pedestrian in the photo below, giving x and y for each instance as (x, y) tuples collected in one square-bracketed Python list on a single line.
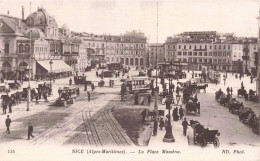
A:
[(45, 96), (246, 96), (231, 90), (10, 106), (88, 96), (8, 123), (97, 73), (149, 99), (85, 86), (198, 108), (4, 107), (251, 78), (161, 123), (224, 81), (185, 126), (77, 90), (242, 85), (155, 126), (181, 113), (59, 91), (228, 90), (30, 131), (36, 98), (240, 77), (70, 81), (92, 86)]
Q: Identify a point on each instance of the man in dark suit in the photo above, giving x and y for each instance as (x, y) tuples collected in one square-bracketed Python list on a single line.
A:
[(30, 131), (8, 123)]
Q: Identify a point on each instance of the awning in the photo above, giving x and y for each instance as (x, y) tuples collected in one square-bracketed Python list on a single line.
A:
[(58, 66)]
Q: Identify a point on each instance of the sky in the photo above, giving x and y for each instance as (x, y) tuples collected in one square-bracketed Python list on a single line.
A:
[(115, 17)]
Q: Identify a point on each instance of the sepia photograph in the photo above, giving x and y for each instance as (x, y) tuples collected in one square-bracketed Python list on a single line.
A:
[(130, 80)]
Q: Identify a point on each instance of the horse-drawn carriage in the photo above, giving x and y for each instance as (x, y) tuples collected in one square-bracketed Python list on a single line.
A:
[(218, 95), (252, 95), (224, 99), (241, 92), (67, 95), (246, 115), (204, 136), (234, 105), (14, 86), (202, 86), (255, 125), (4, 89), (193, 107)]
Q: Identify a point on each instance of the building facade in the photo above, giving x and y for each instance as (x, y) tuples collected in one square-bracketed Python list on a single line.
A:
[(159, 50), (129, 49)]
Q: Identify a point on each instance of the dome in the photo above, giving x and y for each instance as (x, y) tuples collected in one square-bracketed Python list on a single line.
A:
[(76, 40), (35, 33), (65, 27), (41, 17)]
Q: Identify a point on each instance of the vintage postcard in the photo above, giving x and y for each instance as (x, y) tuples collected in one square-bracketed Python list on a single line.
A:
[(129, 80)]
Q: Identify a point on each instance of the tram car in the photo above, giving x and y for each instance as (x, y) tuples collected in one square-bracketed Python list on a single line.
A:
[(79, 79), (107, 73), (67, 95), (138, 84), (214, 76)]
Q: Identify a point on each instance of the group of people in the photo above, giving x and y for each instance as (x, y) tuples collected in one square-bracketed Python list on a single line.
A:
[(229, 91), (8, 122)]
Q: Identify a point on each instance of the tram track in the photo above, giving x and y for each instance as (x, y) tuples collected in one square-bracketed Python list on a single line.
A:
[(91, 131), (106, 128)]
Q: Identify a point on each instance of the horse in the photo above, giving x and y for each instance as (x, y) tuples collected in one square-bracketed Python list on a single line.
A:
[(199, 87), (241, 92), (218, 94)]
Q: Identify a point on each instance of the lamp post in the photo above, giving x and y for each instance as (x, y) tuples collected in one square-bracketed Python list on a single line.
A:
[(168, 137), (51, 76)]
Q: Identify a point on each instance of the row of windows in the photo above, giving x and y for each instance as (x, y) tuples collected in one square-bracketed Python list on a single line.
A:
[(116, 45), (41, 49), (219, 53), (126, 61), (203, 46), (194, 60), (128, 52)]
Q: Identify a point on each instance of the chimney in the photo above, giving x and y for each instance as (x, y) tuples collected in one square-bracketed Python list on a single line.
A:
[(22, 13)]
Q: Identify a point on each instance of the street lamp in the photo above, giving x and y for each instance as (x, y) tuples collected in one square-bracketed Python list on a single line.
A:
[(168, 137), (51, 76)]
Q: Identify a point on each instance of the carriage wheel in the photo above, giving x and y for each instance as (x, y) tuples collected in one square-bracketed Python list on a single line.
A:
[(216, 143), (203, 143)]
